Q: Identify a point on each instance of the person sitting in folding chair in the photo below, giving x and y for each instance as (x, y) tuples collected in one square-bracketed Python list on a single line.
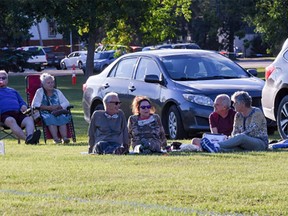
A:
[(50, 101), (12, 112)]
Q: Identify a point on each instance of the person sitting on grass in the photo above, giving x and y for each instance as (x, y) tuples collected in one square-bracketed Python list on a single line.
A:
[(220, 120), (107, 131), (249, 129), (145, 127), (12, 108)]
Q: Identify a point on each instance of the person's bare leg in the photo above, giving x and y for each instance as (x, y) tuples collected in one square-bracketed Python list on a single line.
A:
[(54, 131), (28, 124), (63, 131), (12, 124)]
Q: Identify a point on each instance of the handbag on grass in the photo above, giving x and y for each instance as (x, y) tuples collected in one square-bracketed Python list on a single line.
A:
[(215, 138)]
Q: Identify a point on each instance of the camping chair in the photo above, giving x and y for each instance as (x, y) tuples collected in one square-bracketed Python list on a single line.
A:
[(6, 132), (32, 84)]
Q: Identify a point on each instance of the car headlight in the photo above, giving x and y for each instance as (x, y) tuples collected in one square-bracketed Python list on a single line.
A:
[(199, 99)]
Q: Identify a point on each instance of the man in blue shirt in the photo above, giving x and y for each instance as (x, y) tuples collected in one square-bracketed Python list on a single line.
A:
[(12, 107)]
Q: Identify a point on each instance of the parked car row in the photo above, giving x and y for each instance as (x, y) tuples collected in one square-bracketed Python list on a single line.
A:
[(182, 84), (101, 60), (173, 46)]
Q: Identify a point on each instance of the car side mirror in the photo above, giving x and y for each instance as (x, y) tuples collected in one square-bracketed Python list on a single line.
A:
[(253, 71), (152, 78)]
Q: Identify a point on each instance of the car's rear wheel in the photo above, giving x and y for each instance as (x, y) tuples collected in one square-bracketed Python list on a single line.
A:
[(80, 65), (174, 123), (98, 106), (63, 66), (282, 118)]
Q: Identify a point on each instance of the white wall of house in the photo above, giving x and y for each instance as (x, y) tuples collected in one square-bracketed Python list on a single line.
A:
[(46, 31), (239, 44)]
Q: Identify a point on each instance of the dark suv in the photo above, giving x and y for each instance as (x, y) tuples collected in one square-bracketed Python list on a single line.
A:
[(275, 91), (182, 84)]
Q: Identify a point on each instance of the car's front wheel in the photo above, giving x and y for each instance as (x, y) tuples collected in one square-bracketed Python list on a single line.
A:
[(282, 118), (174, 123)]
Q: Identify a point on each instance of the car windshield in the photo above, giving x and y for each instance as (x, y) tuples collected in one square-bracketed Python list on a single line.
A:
[(202, 66), (102, 55), (36, 51)]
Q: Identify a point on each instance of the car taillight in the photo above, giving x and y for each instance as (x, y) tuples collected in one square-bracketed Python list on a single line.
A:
[(268, 71), (84, 87)]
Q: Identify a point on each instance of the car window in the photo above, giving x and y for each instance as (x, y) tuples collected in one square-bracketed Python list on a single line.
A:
[(36, 51), (48, 49), (124, 68), (208, 66), (70, 55), (146, 66)]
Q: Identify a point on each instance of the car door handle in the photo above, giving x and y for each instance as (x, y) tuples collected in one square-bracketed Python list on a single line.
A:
[(106, 85), (132, 88)]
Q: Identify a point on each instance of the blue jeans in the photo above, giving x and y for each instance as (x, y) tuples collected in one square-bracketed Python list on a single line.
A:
[(104, 147), (243, 142)]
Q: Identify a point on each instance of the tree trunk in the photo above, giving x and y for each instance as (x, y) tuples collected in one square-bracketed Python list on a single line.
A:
[(39, 33), (90, 53)]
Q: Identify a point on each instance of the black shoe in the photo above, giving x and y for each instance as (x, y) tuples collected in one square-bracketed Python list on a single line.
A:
[(176, 145), (36, 136), (33, 139), (28, 139)]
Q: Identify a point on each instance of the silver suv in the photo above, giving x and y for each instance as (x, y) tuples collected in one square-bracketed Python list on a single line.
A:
[(275, 91)]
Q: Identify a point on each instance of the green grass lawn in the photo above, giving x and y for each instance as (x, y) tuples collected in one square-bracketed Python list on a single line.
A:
[(58, 180)]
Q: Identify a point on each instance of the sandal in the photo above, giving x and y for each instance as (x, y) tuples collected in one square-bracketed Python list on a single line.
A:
[(65, 141), (57, 141)]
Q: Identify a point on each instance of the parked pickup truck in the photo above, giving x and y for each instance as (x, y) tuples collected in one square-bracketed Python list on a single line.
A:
[(37, 60), (53, 58)]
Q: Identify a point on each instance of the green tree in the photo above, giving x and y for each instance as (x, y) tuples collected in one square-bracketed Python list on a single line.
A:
[(14, 23), (270, 19), (91, 18), (231, 16), (163, 20)]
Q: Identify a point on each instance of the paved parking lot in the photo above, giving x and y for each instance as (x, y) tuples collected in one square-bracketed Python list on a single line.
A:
[(255, 63)]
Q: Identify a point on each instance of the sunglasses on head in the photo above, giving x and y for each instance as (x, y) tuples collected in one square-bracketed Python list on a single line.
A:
[(115, 102), (144, 107)]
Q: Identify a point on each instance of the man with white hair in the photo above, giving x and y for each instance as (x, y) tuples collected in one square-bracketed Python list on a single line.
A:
[(108, 132), (12, 108)]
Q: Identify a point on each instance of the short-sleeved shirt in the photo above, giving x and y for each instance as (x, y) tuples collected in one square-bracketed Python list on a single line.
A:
[(223, 125)]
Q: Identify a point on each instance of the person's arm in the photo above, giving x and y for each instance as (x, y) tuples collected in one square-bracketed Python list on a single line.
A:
[(37, 100), (62, 99), (22, 103), (91, 133), (126, 143), (162, 134), (213, 117), (214, 130), (255, 124)]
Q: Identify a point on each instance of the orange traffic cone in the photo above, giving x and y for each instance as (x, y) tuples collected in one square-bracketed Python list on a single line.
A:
[(73, 75)]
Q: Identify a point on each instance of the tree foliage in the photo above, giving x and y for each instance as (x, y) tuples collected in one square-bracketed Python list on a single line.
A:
[(271, 19), (14, 23)]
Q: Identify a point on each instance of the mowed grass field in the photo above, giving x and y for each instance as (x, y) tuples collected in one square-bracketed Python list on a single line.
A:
[(60, 180)]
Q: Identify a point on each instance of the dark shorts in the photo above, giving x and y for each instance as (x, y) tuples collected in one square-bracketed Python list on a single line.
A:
[(18, 116)]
